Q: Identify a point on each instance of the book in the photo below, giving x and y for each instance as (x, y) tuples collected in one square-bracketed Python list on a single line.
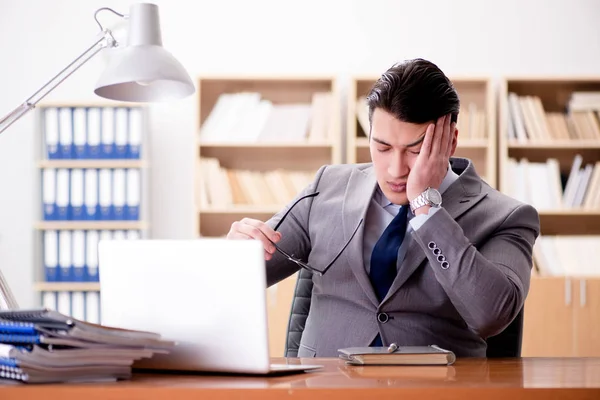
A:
[(403, 355)]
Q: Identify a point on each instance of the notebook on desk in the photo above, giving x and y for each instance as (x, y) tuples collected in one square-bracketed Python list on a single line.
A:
[(403, 355), (208, 295)]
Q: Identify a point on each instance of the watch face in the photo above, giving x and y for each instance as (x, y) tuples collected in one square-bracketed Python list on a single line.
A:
[(434, 196)]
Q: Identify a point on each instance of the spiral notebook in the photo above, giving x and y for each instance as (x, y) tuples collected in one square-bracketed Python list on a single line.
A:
[(46, 346)]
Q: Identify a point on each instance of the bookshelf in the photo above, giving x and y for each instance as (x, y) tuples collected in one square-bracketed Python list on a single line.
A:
[(476, 122), (549, 156), (91, 183), (260, 141)]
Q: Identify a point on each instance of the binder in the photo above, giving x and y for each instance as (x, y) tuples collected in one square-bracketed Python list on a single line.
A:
[(119, 235), (78, 251), (51, 256), (135, 132), (51, 127), (78, 305), (62, 194), (65, 132), (49, 300), (79, 133), (133, 194), (105, 198), (94, 133), (92, 208), (92, 307), (77, 194), (64, 302), (133, 234), (91, 256), (108, 133), (121, 132), (65, 256), (49, 193), (118, 190)]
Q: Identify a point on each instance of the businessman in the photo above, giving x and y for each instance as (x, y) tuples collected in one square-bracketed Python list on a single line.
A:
[(412, 248)]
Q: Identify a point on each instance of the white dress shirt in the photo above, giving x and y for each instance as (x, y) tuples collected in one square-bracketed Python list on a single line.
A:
[(381, 212)]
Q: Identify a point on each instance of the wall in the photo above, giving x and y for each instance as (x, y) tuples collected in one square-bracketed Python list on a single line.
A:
[(38, 38)]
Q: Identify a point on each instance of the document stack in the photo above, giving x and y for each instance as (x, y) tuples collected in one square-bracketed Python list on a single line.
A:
[(44, 346)]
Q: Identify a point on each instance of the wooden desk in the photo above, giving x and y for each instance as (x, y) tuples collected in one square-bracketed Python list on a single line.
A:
[(468, 379)]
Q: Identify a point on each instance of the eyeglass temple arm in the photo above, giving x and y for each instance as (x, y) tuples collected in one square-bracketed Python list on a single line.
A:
[(343, 248), (292, 206)]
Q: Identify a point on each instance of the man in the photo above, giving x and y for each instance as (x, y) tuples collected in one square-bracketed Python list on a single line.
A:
[(456, 273)]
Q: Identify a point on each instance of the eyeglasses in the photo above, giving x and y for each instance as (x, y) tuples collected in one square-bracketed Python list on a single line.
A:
[(299, 262)]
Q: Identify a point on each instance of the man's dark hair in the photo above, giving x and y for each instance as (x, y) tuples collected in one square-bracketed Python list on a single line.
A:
[(414, 91)]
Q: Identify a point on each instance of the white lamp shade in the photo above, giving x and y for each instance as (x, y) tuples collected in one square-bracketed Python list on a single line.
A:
[(144, 71), (143, 74)]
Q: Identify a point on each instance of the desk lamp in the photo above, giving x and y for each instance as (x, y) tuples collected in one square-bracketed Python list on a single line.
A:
[(140, 71)]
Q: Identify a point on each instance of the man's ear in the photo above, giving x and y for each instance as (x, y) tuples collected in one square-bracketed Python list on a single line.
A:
[(454, 141)]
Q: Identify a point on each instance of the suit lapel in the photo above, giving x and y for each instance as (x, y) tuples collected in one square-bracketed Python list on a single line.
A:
[(463, 194), (359, 191)]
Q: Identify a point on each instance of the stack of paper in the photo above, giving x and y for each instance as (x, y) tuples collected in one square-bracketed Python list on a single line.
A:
[(46, 346)]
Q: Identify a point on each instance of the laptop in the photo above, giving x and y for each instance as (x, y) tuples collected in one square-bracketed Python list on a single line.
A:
[(208, 295)]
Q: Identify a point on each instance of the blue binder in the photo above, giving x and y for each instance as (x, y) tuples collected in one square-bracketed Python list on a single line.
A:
[(51, 256)]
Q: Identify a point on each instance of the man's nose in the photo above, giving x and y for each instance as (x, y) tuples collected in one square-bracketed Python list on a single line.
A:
[(397, 167)]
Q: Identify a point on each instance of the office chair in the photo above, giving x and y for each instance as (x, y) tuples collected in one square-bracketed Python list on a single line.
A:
[(505, 344)]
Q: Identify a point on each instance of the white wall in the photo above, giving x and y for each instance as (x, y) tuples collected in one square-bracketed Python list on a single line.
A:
[(39, 37)]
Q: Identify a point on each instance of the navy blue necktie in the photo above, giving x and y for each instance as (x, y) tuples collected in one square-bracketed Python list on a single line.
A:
[(385, 254), (385, 257)]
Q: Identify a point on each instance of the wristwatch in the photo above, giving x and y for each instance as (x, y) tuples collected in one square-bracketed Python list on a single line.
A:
[(430, 197)]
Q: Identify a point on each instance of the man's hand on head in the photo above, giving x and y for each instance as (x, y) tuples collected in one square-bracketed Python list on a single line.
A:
[(432, 162)]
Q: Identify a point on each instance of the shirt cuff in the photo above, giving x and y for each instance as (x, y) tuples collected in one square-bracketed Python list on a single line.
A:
[(417, 221)]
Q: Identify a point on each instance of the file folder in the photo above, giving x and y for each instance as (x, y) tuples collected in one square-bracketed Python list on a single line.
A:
[(64, 302), (65, 256), (105, 194), (92, 208), (77, 195), (121, 132), (79, 133), (91, 256), (135, 132), (49, 193), (93, 312), (49, 300), (133, 194), (94, 133), (66, 132), (108, 133), (78, 251), (78, 305), (51, 127), (51, 256), (62, 194), (119, 188)]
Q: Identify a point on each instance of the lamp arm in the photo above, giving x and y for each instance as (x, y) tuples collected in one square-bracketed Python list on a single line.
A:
[(107, 40), (7, 299)]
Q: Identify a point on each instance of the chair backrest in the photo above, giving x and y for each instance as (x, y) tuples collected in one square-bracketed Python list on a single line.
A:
[(299, 312), (505, 344)]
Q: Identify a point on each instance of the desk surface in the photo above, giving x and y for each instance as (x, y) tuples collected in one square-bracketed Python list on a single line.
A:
[(467, 379)]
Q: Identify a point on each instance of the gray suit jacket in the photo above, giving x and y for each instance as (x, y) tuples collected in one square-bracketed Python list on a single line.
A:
[(485, 237)]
